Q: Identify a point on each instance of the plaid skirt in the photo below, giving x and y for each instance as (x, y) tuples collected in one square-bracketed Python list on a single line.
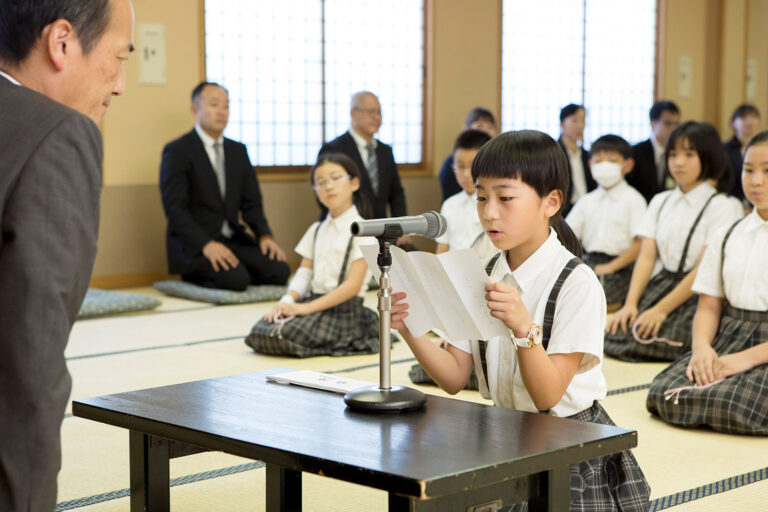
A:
[(615, 285), (677, 326), (737, 405), (419, 376), (614, 483), (343, 330)]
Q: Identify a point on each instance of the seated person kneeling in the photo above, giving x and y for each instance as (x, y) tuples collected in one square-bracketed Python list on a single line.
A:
[(323, 312), (605, 219), (729, 359)]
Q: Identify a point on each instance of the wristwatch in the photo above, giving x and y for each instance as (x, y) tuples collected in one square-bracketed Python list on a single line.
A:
[(532, 339)]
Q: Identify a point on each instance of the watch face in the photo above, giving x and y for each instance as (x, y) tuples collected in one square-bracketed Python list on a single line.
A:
[(534, 337)]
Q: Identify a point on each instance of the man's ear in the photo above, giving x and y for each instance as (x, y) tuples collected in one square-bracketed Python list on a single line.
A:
[(59, 37), (193, 108)]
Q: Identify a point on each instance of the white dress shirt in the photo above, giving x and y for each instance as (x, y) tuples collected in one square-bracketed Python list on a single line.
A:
[(578, 176), (208, 143), (332, 239), (606, 220), (658, 158), (362, 146), (744, 270), (10, 78), (577, 327), (676, 220)]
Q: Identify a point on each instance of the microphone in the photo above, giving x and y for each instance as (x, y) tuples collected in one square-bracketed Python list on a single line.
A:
[(428, 225)]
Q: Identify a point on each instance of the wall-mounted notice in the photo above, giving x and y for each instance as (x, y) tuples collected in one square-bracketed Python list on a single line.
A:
[(151, 53)]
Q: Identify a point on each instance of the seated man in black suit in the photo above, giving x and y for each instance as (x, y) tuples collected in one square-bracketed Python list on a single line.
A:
[(381, 182), (206, 182), (744, 121), (649, 176)]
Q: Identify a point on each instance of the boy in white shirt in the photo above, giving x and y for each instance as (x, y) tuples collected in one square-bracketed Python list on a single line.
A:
[(460, 210), (605, 219)]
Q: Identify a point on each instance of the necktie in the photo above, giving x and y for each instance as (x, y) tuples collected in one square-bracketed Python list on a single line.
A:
[(372, 165), (221, 178), (219, 167)]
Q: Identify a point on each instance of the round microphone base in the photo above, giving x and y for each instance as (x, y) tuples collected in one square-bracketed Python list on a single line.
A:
[(394, 400)]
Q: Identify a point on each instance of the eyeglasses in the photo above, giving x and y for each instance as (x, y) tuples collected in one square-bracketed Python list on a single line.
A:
[(331, 182), (369, 111), (461, 168)]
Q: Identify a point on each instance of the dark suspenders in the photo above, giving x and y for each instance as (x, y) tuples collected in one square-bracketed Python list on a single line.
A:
[(722, 253), (549, 311), (681, 266), (346, 255)]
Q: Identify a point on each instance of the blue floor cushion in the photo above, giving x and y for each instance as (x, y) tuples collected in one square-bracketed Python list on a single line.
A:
[(184, 290), (104, 302)]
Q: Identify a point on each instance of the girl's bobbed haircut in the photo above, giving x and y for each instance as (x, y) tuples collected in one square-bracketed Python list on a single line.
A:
[(760, 138), (537, 160), (358, 198), (704, 139)]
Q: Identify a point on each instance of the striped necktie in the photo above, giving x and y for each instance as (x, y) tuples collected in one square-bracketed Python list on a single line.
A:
[(219, 169), (372, 165)]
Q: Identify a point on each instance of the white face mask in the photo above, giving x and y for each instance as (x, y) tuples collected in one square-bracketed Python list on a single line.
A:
[(607, 174)]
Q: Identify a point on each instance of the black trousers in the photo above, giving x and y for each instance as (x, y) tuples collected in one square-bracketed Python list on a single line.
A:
[(254, 267)]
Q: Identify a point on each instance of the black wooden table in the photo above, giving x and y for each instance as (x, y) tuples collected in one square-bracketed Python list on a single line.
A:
[(451, 456)]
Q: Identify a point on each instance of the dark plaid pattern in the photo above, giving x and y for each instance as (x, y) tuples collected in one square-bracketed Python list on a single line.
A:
[(419, 376), (607, 484), (343, 330), (615, 285), (739, 404), (677, 326)]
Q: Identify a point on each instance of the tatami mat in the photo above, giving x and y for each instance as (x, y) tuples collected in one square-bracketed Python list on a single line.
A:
[(187, 341)]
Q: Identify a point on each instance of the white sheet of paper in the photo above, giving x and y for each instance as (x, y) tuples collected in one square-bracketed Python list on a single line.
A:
[(421, 317), (317, 380), (469, 278)]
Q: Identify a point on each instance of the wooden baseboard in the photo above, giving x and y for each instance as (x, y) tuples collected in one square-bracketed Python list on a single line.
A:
[(129, 280)]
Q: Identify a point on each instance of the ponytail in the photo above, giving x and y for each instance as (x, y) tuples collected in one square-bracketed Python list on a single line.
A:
[(566, 235)]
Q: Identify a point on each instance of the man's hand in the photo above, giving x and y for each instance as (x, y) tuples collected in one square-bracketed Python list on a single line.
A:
[(220, 256), (403, 240), (269, 247)]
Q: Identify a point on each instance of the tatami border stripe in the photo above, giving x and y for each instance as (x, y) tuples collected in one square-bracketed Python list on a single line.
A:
[(628, 389), (187, 479), (656, 505), (718, 487), (157, 347)]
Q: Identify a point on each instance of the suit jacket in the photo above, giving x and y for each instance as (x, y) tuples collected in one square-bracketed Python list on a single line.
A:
[(733, 152), (591, 183), (50, 187), (193, 203), (390, 189), (448, 182), (644, 175)]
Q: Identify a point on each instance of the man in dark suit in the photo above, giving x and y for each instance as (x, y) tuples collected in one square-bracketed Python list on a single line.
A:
[(381, 182), (207, 182), (60, 65), (649, 175), (744, 121)]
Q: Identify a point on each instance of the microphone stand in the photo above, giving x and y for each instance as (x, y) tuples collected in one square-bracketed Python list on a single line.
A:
[(385, 398)]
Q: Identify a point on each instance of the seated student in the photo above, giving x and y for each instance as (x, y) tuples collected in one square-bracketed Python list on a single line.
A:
[(654, 324), (323, 312), (464, 228), (728, 362), (460, 210), (744, 121), (605, 219), (477, 119), (551, 360)]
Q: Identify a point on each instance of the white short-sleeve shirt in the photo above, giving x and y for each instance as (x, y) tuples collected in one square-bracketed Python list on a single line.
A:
[(577, 327), (606, 220), (744, 271), (464, 228), (332, 239), (677, 217)]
